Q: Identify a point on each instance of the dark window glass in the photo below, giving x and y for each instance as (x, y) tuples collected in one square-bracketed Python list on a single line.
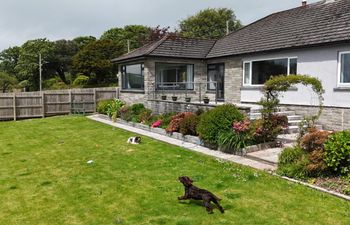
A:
[(345, 69), (263, 70), (132, 76), (174, 76), (293, 66)]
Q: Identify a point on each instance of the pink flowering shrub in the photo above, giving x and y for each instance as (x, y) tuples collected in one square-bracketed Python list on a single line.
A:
[(242, 126), (156, 124)]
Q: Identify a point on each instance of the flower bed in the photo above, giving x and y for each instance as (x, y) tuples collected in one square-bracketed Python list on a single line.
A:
[(321, 158), (223, 128)]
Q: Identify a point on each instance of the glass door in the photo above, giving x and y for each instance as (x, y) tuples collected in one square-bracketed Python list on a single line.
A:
[(216, 79)]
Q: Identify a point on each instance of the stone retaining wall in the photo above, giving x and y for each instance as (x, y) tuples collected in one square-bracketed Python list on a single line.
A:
[(332, 118), (160, 106)]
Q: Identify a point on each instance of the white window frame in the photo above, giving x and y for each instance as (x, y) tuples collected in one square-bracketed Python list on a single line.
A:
[(263, 59), (339, 70)]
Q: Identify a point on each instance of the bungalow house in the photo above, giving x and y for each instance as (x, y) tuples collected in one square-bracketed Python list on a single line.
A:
[(312, 39)]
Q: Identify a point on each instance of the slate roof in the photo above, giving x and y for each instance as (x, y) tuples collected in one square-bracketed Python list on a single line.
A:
[(172, 46), (320, 23), (314, 24)]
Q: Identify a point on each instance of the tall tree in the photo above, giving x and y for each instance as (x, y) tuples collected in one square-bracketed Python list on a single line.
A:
[(82, 41), (94, 60), (9, 59), (209, 23), (60, 60), (7, 82), (27, 67), (134, 33)]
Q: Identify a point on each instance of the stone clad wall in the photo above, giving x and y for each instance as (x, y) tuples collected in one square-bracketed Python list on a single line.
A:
[(332, 118), (233, 78)]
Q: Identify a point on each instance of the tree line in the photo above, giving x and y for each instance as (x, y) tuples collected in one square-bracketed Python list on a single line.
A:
[(85, 61)]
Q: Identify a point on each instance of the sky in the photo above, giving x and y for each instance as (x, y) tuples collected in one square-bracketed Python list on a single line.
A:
[(22, 20)]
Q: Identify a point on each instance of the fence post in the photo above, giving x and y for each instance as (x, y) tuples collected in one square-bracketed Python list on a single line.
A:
[(14, 107), (95, 100), (70, 100), (117, 92), (43, 103)]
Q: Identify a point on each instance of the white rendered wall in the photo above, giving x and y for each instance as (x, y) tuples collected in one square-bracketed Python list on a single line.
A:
[(321, 62)]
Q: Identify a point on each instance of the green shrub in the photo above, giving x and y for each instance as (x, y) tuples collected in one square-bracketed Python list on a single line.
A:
[(113, 108), (125, 113), (144, 116), (292, 163), (238, 138), (102, 106), (81, 81), (233, 142), (188, 124), (216, 121), (137, 108), (337, 152)]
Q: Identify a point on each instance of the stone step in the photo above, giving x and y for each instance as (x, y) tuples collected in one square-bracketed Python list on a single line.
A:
[(287, 138), (295, 129), (294, 122), (269, 156), (295, 117)]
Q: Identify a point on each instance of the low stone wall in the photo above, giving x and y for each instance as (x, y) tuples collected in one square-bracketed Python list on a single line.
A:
[(130, 97), (187, 138), (160, 106), (332, 118)]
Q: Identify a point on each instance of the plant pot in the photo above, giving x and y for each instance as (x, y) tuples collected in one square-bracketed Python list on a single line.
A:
[(206, 100), (174, 98), (163, 97), (187, 99)]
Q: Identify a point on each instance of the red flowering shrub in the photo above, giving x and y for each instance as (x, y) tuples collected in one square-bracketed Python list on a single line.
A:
[(174, 125)]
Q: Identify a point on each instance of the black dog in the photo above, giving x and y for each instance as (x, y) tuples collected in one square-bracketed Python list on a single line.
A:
[(193, 192)]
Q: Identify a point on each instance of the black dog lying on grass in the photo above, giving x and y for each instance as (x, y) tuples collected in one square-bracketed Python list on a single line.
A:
[(193, 192)]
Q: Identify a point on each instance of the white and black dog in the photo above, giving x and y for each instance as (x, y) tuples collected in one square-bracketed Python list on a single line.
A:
[(134, 140)]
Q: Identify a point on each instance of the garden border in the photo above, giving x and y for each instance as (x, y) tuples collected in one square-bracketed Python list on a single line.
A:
[(191, 139)]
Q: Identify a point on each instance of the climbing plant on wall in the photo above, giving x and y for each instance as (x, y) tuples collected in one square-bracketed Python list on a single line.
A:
[(277, 85)]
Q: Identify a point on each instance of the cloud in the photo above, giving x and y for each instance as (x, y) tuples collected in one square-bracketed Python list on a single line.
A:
[(21, 20)]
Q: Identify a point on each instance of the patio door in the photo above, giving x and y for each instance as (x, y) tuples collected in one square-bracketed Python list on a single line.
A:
[(216, 79)]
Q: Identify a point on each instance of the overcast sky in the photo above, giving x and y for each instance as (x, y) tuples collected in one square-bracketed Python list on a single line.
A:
[(21, 20)]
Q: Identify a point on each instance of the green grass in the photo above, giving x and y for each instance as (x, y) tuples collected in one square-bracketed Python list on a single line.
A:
[(44, 179)]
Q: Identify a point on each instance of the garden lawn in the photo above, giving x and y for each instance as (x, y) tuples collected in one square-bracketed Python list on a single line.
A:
[(45, 179)]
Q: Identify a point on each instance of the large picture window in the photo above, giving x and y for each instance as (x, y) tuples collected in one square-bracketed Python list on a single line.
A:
[(344, 69), (258, 72), (174, 76), (132, 77)]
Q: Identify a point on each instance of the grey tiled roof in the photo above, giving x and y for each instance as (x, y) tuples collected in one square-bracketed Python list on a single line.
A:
[(323, 22), (319, 23), (172, 46)]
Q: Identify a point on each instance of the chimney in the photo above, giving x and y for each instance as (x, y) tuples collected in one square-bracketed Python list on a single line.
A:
[(304, 3)]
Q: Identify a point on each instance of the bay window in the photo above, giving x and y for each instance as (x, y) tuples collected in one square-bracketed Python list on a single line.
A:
[(174, 76), (258, 72), (344, 69), (133, 77)]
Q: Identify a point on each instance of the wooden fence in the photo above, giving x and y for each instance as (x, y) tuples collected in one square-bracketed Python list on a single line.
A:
[(24, 105)]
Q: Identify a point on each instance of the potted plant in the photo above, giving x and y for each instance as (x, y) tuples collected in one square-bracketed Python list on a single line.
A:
[(174, 98), (206, 100), (188, 99), (163, 97)]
